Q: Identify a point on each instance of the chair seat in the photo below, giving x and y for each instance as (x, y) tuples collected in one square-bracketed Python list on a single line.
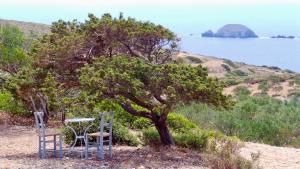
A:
[(98, 134), (52, 132)]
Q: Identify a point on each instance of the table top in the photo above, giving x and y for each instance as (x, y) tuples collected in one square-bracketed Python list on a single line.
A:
[(77, 120)]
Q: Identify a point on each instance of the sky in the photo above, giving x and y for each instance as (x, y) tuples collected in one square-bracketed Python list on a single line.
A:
[(265, 17)]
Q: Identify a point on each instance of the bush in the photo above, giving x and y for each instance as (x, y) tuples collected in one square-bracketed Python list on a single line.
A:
[(297, 79), (178, 122), (151, 136), (9, 104), (236, 73), (264, 86), (226, 67), (241, 91), (192, 139), (261, 119), (194, 59), (230, 63), (239, 73), (122, 135), (141, 123)]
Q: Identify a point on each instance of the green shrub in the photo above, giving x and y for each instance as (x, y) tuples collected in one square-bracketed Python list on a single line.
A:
[(230, 63), (9, 104), (151, 136), (192, 139), (231, 82), (264, 86), (275, 79), (194, 59), (178, 122), (239, 73), (141, 123), (226, 67), (297, 79), (241, 91), (261, 119), (122, 135)]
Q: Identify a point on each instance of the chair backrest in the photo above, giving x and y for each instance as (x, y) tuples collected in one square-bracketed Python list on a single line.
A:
[(39, 122), (106, 121)]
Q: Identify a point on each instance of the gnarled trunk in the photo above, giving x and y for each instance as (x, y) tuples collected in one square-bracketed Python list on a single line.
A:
[(165, 136)]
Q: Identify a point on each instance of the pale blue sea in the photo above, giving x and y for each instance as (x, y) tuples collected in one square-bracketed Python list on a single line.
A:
[(283, 53)]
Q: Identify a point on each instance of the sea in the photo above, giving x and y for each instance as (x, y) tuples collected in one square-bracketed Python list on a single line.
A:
[(263, 51)]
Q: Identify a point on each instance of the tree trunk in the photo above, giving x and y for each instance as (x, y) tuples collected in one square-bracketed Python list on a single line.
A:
[(165, 136)]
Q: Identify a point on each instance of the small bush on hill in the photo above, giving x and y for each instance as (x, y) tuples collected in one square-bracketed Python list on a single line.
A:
[(241, 91), (194, 59), (230, 63), (238, 73), (297, 79), (226, 67)]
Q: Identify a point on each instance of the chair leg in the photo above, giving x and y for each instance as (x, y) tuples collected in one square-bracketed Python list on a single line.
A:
[(60, 147), (86, 147), (44, 148), (110, 147), (40, 148), (54, 144), (98, 145), (101, 155)]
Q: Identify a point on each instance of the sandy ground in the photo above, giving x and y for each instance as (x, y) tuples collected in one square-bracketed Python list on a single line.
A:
[(271, 157), (18, 150)]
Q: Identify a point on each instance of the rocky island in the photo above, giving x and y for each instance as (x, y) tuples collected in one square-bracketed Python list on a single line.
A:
[(231, 31)]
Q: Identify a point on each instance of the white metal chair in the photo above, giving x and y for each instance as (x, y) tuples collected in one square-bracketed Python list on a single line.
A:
[(103, 136), (43, 134)]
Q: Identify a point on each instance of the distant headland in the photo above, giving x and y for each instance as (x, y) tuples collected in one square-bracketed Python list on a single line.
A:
[(283, 37), (231, 31)]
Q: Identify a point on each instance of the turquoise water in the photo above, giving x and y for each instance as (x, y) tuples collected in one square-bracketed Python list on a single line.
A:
[(283, 53)]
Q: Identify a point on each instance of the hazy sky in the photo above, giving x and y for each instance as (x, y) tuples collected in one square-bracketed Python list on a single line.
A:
[(265, 17)]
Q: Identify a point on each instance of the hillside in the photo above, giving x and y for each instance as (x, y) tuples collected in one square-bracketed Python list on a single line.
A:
[(28, 27), (281, 84)]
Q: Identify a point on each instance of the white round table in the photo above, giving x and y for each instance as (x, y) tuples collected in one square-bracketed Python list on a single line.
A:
[(78, 134)]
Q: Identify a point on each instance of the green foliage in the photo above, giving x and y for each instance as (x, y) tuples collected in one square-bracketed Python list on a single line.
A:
[(241, 92), (261, 119), (179, 123), (264, 86), (230, 63), (122, 135), (12, 54), (141, 123), (275, 79), (193, 139), (194, 59), (151, 137), (231, 81), (226, 67), (297, 79), (234, 73), (9, 104)]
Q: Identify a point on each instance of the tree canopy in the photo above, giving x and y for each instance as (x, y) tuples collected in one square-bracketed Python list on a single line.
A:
[(154, 88), (70, 45)]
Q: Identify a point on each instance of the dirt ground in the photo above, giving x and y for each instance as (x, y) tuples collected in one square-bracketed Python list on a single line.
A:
[(271, 157), (18, 150)]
